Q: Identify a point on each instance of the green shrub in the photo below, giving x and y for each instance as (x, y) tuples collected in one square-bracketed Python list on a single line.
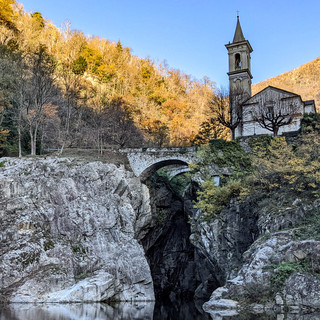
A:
[(309, 227), (212, 199), (81, 276), (179, 183), (230, 154), (310, 123), (2, 164), (224, 155), (260, 143)]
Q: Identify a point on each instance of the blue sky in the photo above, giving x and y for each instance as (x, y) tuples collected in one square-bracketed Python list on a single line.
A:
[(190, 34)]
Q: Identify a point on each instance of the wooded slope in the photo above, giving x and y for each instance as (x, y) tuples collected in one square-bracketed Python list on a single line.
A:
[(104, 95), (304, 80)]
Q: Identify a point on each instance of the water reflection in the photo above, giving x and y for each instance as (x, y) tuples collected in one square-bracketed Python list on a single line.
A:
[(180, 310), (227, 315), (131, 311), (99, 311)]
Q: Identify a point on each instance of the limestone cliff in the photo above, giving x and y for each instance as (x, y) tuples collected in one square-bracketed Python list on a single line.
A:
[(69, 230)]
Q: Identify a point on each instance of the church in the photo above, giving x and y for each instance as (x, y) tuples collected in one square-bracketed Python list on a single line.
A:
[(270, 111)]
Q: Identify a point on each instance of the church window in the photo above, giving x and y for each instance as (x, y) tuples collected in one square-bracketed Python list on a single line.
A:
[(270, 112), (237, 61)]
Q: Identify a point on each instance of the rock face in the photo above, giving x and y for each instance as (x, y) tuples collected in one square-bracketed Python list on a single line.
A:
[(69, 230), (224, 240), (278, 272)]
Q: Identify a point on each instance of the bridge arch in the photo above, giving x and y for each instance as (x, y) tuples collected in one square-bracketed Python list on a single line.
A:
[(144, 161), (161, 164)]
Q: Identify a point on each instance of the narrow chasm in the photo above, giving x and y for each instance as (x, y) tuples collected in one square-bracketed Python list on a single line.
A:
[(183, 277)]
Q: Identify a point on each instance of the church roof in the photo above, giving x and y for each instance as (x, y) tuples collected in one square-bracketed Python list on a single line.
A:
[(238, 35), (290, 94)]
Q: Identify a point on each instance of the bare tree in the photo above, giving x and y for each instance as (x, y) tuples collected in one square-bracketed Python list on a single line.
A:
[(14, 79), (75, 92), (227, 108), (41, 91), (20, 97), (272, 117)]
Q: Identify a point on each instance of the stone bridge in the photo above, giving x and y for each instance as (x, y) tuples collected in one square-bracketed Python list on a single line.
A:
[(144, 161)]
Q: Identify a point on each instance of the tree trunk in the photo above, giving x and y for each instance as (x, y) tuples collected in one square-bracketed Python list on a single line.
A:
[(32, 141), (62, 147), (33, 136), (19, 134), (35, 140), (233, 133), (19, 141)]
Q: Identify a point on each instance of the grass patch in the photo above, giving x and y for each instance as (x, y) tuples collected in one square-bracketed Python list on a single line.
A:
[(281, 272), (81, 276), (48, 245), (78, 249)]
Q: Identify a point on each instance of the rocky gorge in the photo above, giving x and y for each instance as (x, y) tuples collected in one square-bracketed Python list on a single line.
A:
[(75, 231)]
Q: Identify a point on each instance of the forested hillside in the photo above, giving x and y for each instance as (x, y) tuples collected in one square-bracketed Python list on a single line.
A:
[(60, 88), (304, 80)]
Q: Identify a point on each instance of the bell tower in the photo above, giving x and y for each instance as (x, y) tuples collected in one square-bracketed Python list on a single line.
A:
[(239, 75)]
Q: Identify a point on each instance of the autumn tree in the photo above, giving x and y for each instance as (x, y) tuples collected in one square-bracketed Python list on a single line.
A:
[(7, 13), (120, 127), (49, 126), (75, 91), (39, 21), (159, 132), (210, 129), (3, 139), (293, 167)]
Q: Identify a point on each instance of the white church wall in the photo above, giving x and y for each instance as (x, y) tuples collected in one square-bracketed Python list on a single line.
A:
[(253, 128), (279, 100)]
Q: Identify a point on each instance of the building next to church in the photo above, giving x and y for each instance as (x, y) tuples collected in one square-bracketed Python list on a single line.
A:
[(270, 111)]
